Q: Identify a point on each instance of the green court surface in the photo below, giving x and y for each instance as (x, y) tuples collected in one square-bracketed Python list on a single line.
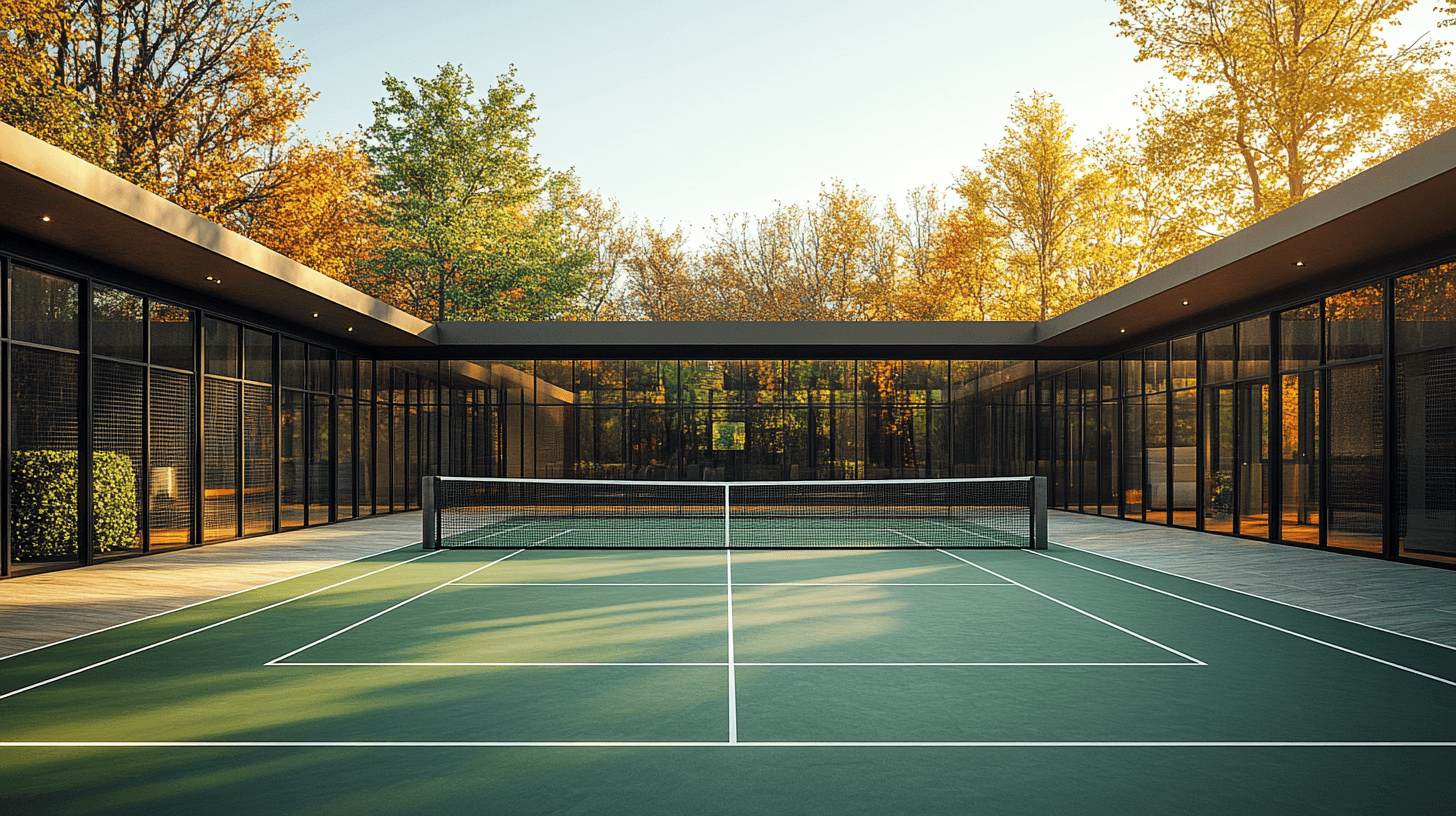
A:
[(681, 681)]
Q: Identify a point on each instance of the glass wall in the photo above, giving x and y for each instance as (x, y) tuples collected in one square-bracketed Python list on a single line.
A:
[(204, 427)]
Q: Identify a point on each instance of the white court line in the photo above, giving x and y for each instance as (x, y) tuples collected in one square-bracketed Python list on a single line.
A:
[(709, 665), (959, 530), (781, 583), (200, 603), (1260, 597), (550, 537), (732, 672), (1265, 624), (479, 539), (1143, 638), (686, 744), (214, 625), (390, 609)]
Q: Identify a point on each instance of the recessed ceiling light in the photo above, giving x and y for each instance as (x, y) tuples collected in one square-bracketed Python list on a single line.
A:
[(1297, 263), (1185, 303), (1122, 331), (45, 218), (315, 314), (351, 328), (209, 277)]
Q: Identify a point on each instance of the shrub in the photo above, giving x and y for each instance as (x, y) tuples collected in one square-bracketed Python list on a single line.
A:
[(43, 487)]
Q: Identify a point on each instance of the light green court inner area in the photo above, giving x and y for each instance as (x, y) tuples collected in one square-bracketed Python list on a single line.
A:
[(567, 665), (742, 532)]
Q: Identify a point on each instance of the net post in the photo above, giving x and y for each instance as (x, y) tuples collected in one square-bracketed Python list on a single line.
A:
[(427, 511), (1038, 512)]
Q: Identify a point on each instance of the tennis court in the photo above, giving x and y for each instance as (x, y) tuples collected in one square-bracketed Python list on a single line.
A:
[(807, 681)]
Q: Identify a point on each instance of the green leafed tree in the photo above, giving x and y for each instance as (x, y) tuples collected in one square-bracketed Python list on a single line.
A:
[(471, 230)]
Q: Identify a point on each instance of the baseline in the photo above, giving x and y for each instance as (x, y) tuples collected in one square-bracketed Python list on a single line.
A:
[(758, 744), (1258, 622), (782, 583), (1192, 660)]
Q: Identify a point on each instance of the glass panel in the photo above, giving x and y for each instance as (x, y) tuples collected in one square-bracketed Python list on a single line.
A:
[(1155, 369), (44, 415), (1353, 323), (172, 337), (1218, 440), (118, 424), (1132, 375), (364, 460), (1299, 338), (1184, 372), (344, 382), (1132, 458), (1253, 448), (1218, 355), (1109, 369), (258, 432), (344, 487), (320, 484), (1299, 513), (1155, 446), (1426, 454), (44, 309), (366, 380), (220, 351), (221, 426), (257, 356), (320, 369), (117, 320), (292, 461), (1425, 309), (1109, 468), (173, 419), (1254, 348), (1356, 450), (295, 367), (1183, 433)]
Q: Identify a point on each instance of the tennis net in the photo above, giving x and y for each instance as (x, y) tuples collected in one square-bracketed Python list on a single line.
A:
[(572, 513)]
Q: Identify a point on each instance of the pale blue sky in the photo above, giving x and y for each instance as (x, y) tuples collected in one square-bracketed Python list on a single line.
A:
[(685, 111)]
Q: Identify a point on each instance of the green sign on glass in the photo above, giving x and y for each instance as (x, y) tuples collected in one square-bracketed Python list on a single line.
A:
[(728, 436)]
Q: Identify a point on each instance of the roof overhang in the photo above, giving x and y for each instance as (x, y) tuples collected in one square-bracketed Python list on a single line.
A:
[(99, 215), (1391, 210), (747, 340)]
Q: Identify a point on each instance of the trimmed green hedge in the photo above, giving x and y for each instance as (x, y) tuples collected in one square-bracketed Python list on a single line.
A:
[(43, 502)]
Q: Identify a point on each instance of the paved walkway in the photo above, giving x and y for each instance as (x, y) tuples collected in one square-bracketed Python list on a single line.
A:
[(1412, 600), (40, 609)]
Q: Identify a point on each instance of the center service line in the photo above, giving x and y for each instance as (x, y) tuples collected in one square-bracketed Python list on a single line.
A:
[(732, 672)]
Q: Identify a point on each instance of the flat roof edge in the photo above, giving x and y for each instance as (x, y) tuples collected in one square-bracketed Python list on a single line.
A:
[(60, 169)]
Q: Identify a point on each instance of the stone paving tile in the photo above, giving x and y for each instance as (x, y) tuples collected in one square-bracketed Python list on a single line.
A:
[(39, 609), (1403, 598)]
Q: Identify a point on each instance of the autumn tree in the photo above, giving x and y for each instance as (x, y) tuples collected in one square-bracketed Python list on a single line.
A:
[(1038, 193), (1275, 99), (595, 225), (322, 211), (662, 280), (196, 100), (471, 226), (33, 98)]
